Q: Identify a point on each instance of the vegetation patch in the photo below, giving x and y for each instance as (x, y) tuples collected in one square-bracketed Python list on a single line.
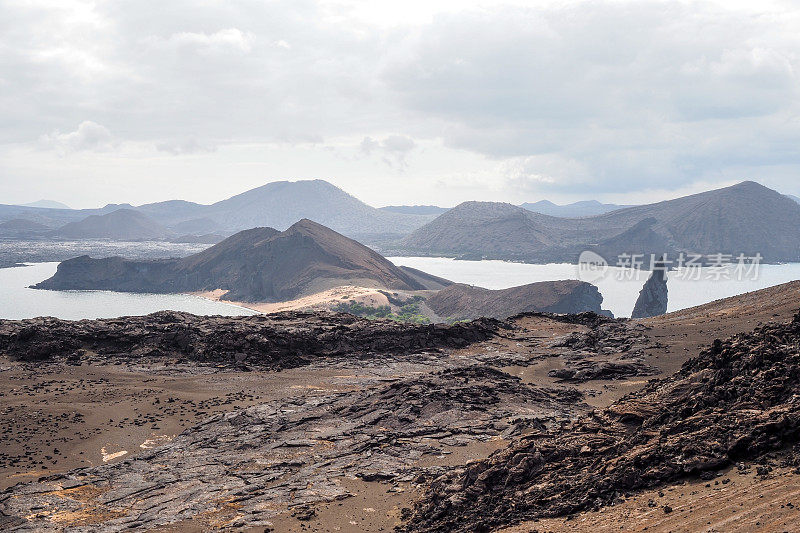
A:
[(408, 311)]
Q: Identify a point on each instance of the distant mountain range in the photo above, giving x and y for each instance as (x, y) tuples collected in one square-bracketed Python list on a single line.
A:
[(793, 197), (278, 205), (745, 218), (586, 208)]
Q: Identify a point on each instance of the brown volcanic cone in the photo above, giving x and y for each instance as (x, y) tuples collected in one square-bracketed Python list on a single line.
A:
[(259, 264)]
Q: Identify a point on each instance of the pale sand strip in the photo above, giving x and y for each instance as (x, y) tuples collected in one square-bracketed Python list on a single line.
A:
[(321, 300)]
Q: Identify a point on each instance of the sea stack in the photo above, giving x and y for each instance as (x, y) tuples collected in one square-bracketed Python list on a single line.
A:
[(652, 299)]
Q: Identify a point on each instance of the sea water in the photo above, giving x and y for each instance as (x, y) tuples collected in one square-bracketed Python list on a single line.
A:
[(619, 286)]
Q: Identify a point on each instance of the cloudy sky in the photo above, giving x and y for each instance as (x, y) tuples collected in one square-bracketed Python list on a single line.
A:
[(396, 102)]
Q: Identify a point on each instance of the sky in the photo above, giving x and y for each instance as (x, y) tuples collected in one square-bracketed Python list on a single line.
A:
[(414, 102)]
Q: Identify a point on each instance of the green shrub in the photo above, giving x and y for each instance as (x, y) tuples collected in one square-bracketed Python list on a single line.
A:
[(410, 312)]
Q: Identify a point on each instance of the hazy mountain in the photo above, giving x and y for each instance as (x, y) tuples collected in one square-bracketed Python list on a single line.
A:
[(745, 218), (196, 226), (122, 224), (478, 228), (51, 218), (468, 302), (415, 209), (277, 204), (585, 208), (260, 264), (793, 197), (280, 204), (174, 212), (47, 204), (19, 224), (21, 228)]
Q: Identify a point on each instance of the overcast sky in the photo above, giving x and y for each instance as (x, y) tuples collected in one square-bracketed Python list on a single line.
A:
[(396, 102)]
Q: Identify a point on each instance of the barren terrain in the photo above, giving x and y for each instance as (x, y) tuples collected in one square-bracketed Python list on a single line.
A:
[(371, 427)]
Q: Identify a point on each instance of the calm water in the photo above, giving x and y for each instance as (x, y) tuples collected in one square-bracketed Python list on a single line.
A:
[(17, 301), (618, 289)]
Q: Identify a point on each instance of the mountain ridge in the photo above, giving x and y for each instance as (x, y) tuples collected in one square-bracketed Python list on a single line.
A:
[(275, 204), (583, 208), (746, 218)]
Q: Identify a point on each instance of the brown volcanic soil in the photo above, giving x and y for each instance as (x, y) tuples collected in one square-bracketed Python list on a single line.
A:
[(139, 389)]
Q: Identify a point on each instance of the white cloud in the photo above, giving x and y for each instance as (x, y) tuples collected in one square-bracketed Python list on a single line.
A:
[(394, 149), (225, 39), (628, 91), (184, 147), (618, 96), (88, 136)]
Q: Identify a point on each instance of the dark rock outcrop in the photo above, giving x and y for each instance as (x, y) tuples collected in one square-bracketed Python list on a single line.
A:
[(260, 264), (277, 341), (734, 402), (464, 301), (652, 299)]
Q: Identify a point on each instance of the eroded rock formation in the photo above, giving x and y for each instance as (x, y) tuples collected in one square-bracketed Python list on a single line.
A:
[(653, 297)]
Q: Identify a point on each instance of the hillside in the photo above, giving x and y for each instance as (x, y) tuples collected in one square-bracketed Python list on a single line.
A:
[(585, 208), (260, 264), (466, 302), (496, 230), (745, 218), (122, 224)]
